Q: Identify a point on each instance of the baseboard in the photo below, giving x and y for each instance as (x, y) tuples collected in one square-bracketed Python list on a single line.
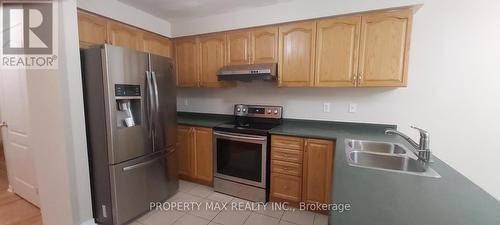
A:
[(195, 180), (89, 222)]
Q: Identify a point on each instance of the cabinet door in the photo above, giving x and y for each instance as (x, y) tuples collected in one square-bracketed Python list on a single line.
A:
[(213, 56), (317, 171), (187, 61), (337, 47), (91, 29), (203, 156), (296, 54), (156, 44), (286, 187), (385, 39), (184, 146), (238, 47), (264, 44), (124, 36)]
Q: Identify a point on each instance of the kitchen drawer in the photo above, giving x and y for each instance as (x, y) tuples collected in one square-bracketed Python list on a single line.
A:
[(288, 155), (289, 168), (286, 187), (287, 142)]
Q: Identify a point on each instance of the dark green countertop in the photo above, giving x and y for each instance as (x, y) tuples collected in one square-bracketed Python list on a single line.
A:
[(386, 198), (202, 119)]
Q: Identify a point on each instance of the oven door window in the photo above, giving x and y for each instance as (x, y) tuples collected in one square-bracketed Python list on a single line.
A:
[(239, 159)]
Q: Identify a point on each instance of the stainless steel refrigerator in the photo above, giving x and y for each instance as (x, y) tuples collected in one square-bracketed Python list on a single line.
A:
[(130, 112)]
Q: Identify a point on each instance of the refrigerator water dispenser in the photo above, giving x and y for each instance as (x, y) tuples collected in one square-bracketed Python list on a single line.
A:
[(128, 101)]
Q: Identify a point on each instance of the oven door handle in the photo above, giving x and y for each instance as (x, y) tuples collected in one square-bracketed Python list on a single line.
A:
[(241, 137)]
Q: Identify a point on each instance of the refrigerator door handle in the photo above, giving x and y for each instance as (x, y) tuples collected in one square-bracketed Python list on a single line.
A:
[(156, 108), (149, 108), (155, 85), (142, 164)]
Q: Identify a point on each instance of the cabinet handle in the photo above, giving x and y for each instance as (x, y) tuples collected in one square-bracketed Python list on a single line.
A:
[(354, 79), (360, 77)]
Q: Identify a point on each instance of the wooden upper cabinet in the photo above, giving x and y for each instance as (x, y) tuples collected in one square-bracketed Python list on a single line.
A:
[(124, 36), (317, 171), (296, 54), (187, 61), (264, 45), (385, 39), (91, 29), (213, 57), (337, 47), (238, 48), (203, 156), (157, 44)]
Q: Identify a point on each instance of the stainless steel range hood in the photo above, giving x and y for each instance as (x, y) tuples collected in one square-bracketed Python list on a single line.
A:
[(248, 72)]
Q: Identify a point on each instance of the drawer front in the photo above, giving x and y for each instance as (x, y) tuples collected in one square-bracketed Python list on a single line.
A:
[(287, 142), (289, 168), (287, 155), (286, 187)]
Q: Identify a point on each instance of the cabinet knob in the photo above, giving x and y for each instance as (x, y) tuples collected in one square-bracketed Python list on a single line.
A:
[(3, 124)]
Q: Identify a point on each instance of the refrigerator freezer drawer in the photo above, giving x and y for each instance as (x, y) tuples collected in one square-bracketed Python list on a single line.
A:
[(138, 182)]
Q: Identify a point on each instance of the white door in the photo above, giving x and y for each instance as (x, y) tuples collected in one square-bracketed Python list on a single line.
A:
[(16, 137)]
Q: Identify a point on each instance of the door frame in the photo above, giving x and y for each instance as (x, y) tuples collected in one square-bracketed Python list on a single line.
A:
[(3, 134)]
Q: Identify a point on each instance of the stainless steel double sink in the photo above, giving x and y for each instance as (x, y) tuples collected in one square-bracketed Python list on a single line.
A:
[(386, 156)]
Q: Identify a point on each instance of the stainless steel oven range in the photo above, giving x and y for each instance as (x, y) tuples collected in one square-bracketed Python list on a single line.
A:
[(241, 156)]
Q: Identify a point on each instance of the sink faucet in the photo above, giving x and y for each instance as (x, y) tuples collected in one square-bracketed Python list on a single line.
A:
[(423, 150)]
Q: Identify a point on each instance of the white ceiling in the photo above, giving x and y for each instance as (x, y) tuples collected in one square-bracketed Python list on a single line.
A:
[(188, 9)]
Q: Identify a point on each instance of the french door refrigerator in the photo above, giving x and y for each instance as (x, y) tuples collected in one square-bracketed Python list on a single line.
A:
[(130, 112)]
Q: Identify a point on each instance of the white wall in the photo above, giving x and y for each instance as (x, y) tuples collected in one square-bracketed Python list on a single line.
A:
[(453, 85), (280, 13), (126, 14)]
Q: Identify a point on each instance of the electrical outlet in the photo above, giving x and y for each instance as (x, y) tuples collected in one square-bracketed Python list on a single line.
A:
[(326, 107), (352, 108)]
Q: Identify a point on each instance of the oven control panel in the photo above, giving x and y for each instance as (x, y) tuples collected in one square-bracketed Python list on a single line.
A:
[(263, 111)]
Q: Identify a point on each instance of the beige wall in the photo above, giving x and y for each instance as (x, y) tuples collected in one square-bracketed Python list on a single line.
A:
[(453, 85)]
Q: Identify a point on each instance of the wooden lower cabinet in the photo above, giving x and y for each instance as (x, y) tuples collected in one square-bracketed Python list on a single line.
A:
[(203, 154), (286, 187), (317, 171), (184, 147), (194, 145), (301, 169)]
